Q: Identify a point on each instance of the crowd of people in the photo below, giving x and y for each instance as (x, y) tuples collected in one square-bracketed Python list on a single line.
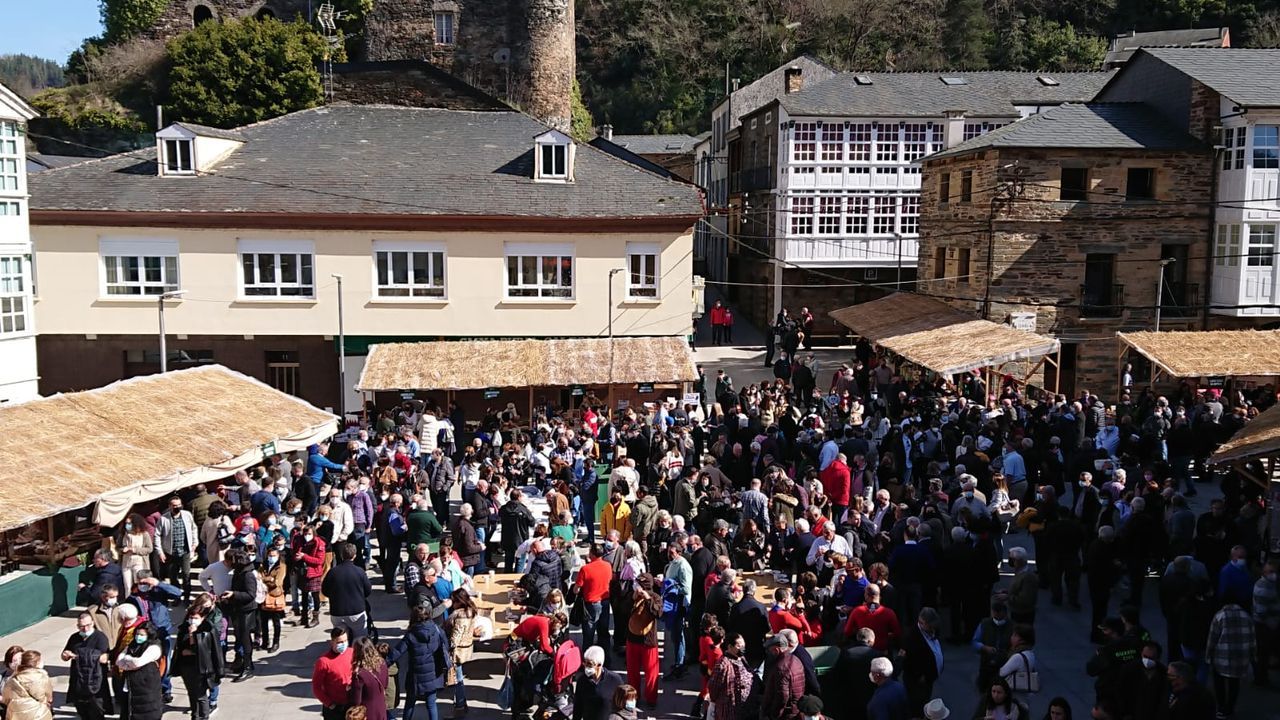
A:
[(807, 548)]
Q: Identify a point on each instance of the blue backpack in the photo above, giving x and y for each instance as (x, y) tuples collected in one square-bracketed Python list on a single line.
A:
[(672, 597)]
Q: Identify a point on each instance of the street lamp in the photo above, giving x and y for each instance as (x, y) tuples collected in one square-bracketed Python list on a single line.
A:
[(612, 272), (164, 351), (1160, 289), (342, 357)]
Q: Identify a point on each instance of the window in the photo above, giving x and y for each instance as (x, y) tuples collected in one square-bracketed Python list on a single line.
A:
[(10, 208), (1227, 246), (860, 142), (962, 266), (832, 143), (856, 221), (978, 129), (13, 296), (540, 271), (944, 188), (444, 28), (10, 160), (910, 215), (939, 263), (802, 215), (9, 138), (177, 157), (966, 186), (804, 142), (409, 271), (1228, 143), (1140, 184), (555, 161), (915, 138), (642, 271), (887, 144), (277, 269), (1074, 186), (829, 207), (1100, 297), (882, 219), (1239, 150), (139, 267), (1266, 146), (1261, 251)]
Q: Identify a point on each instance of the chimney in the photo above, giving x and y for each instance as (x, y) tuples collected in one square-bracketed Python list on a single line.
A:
[(550, 62), (953, 128), (606, 132), (795, 80)]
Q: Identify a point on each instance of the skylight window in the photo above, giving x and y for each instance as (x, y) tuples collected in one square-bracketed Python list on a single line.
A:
[(952, 80), (863, 80), (1046, 80)]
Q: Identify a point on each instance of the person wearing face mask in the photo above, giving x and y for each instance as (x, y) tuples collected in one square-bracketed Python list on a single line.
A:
[(103, 571), (176, 538), (271, 612), (309, 559), (1229, 651), (595, 688), (1146, 685), (88, 651), (135, 545), (624, 703), (28, 693), (139, 666), (241, 606), (331, 676), (199, 661)]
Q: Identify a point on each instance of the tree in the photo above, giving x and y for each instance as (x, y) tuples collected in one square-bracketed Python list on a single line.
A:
[(583, 126), (123, 19), (968, 37), (25, 74), (239, 72), (1049, 45)]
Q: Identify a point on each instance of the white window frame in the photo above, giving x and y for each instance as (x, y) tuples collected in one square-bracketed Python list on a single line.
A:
[(1262, 239), (15, 296), (12, 158), (1227, 246), (1270, 148), (171, 145), (411, 291), (139, 249), (542, 292), (11, 208), (451, 37), (276, 288), (643, 286)]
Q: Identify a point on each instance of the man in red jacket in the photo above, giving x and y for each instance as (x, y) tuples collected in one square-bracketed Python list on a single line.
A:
[(835, 485), (784, 615), (881, 620), (331, 676), (593, 589), (717, 323)]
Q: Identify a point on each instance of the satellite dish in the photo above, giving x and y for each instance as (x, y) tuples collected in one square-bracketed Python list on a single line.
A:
[(502, 56)]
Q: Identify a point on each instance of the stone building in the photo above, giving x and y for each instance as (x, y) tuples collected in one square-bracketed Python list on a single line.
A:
[(1072, 215), (180, 16)]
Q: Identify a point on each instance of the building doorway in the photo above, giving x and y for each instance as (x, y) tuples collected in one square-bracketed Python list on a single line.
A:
[(284, 371)]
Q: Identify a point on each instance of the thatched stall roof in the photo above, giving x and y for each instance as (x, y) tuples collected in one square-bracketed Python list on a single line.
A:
[(1259, 438), (1208, 353), (935, 335), (142, 438), (474, 365)]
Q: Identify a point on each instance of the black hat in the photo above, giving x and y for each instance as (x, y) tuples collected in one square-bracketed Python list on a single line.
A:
[(810, 705)]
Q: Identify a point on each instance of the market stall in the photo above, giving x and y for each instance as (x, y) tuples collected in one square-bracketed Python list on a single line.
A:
[(73, 463), (1254, 452), (938, 337), (1212, 358)]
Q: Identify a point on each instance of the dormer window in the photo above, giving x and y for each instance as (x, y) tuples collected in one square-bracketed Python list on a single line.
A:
[(553, 157), (178, 157)]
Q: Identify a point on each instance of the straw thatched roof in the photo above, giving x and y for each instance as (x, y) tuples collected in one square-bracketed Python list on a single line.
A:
[(1259, 438), (1208, 353), (142, 438), (472, 365), (935, 335)]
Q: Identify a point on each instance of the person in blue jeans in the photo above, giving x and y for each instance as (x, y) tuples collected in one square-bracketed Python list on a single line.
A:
[(677, 595), (462, 615), (423, 644)]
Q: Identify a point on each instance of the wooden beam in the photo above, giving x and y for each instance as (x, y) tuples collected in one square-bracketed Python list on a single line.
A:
[(1241, 467)]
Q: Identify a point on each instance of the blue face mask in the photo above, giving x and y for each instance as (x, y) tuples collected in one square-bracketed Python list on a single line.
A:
[(85, 633), (140, 638), (340, 648), (631, 704)]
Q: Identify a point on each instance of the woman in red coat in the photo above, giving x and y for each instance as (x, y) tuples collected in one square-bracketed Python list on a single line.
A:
[(309, 551)]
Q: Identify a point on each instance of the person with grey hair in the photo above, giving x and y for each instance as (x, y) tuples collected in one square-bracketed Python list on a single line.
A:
[(1103, 568), (827, 542), (1025, 588), (889, 701), (594, 687), (749, 618), (853, 668), (796, 648)]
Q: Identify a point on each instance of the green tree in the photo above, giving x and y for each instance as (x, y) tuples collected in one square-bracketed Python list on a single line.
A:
[(583, 125), (1049, 45), (25, 74), (239, 72), (968, 37), (124, 19)]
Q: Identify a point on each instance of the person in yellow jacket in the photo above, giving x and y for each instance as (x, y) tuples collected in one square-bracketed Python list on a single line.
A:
[(616, 515)]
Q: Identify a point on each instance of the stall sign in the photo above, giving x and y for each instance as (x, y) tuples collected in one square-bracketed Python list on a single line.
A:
[(577, 391), (644, 388), (1218, 381), (269, 449), (490, 393)]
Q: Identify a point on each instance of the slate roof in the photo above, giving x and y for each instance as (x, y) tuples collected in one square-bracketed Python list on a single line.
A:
[(772, 85), (213, 132), (1248, 76), (1103, 126), (924, 94), (374, 160), (39, 162), (656, 144), (1122, 47)]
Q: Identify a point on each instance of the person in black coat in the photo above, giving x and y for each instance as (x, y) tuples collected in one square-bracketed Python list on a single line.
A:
[(198, 659), (547, 565), (139, 663), (429, 659), (594, 687), (852, 688), (241, 607), (104, 571), (517, 522), (750, 619), (86, 649), (920, 665), (348, 588)]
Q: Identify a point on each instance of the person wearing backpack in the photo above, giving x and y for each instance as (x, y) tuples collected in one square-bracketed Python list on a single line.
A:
[(347, 586), (240, 603), (394, 532)]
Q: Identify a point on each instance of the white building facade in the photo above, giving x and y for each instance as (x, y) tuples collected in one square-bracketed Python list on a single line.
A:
[(1245, 273), (18, 374)]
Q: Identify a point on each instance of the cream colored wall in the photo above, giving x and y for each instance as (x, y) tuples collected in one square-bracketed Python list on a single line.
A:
[(71, 301)]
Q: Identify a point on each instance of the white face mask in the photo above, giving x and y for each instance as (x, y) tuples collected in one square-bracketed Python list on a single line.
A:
[(1148, 663)]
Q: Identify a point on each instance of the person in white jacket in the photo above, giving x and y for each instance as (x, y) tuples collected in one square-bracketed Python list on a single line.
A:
[(343, 523)]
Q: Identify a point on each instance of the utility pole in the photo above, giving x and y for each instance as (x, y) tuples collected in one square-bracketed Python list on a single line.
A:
[(612, 272), (342, 358), (164, 351), (1010, 184), (897, 279), (1160, 289)]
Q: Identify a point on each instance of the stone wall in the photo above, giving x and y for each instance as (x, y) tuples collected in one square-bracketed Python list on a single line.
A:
[(1040, 243), (399, 30), (549, 62), (179, 16), (412, 83)]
